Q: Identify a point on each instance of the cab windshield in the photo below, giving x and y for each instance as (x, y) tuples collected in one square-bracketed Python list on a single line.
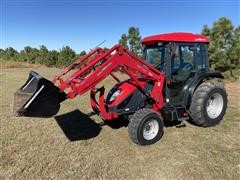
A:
[(155, 56)]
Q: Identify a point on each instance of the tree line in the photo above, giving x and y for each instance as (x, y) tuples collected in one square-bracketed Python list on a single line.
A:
[(42, 55), (224, 48)]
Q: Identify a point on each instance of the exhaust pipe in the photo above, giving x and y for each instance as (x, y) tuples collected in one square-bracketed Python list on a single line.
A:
[(38, 97)]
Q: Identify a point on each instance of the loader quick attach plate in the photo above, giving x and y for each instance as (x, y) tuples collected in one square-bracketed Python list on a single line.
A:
[(38, 97)]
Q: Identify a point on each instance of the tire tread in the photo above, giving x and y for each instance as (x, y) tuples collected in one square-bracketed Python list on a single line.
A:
[(135, 121), (197, 104)]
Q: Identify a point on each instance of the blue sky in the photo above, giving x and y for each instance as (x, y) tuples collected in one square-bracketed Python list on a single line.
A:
[(84, 24)]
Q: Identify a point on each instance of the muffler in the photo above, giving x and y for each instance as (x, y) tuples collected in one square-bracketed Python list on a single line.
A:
[(38, 97)]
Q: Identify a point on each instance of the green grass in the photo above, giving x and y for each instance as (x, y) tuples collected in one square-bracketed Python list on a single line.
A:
[(33, 148)]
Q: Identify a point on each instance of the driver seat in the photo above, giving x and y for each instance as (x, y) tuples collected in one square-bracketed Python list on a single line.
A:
[(183, 73)]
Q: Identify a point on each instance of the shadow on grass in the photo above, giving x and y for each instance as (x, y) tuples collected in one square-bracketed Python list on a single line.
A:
[(117, 123), (171, 123), (78, 126)]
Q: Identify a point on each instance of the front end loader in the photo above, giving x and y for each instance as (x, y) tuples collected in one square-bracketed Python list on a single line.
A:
[(38, 97), (172, 83)]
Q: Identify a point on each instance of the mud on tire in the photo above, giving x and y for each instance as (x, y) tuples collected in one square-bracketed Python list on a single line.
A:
[(209, 103)]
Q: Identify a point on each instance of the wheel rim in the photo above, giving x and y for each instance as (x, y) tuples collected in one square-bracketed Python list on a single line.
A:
[(150, 129), (214, 105)]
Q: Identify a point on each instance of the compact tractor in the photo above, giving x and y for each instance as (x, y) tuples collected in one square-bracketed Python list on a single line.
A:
[(171, 83)]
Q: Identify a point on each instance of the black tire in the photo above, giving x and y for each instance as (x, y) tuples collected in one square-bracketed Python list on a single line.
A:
[(200, 101), (139, 121)]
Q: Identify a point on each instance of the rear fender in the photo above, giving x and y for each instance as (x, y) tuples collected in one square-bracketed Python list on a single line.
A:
[(198, 80)]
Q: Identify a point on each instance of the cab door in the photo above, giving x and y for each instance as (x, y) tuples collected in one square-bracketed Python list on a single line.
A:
[(181, 69)]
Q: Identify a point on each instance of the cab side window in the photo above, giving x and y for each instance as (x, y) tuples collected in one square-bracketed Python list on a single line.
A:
[(183, 62), (187, 56), (201, 57)]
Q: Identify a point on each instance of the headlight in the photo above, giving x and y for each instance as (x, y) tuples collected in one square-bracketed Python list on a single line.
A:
[(115, 95)]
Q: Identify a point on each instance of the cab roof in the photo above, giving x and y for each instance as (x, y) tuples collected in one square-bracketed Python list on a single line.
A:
[(175, 37)]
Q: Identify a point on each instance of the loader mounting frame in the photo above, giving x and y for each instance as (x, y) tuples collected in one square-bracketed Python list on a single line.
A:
[(95, 66)]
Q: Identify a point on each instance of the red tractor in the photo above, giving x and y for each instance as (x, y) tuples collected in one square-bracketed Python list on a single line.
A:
[(171, 83)]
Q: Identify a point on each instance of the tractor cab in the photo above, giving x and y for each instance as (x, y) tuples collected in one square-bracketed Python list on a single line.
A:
[(181, 56)]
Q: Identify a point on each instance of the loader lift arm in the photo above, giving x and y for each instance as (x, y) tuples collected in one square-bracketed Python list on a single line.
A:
[(98, 64)]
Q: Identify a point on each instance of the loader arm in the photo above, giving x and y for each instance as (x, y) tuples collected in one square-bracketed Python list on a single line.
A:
[(102, 64), (39, 97)]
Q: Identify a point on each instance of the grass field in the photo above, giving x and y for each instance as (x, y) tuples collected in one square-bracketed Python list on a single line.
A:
[(73, 145)]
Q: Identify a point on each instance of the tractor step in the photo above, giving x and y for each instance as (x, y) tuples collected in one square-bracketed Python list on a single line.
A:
[(177, 113), (181, 125), (182, 113)]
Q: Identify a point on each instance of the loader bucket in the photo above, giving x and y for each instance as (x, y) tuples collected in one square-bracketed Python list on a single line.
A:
[(38, 97)]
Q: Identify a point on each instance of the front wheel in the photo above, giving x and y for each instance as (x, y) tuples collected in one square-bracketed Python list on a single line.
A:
[(145, 127), (209, 103)]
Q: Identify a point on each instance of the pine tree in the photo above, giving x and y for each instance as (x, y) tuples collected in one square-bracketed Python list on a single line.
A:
[(66, 56), (224, 46), (132, 40), (124, 41)]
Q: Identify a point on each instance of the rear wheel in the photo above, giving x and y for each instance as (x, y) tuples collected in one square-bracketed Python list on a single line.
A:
[(145, 127), (209, 103)]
